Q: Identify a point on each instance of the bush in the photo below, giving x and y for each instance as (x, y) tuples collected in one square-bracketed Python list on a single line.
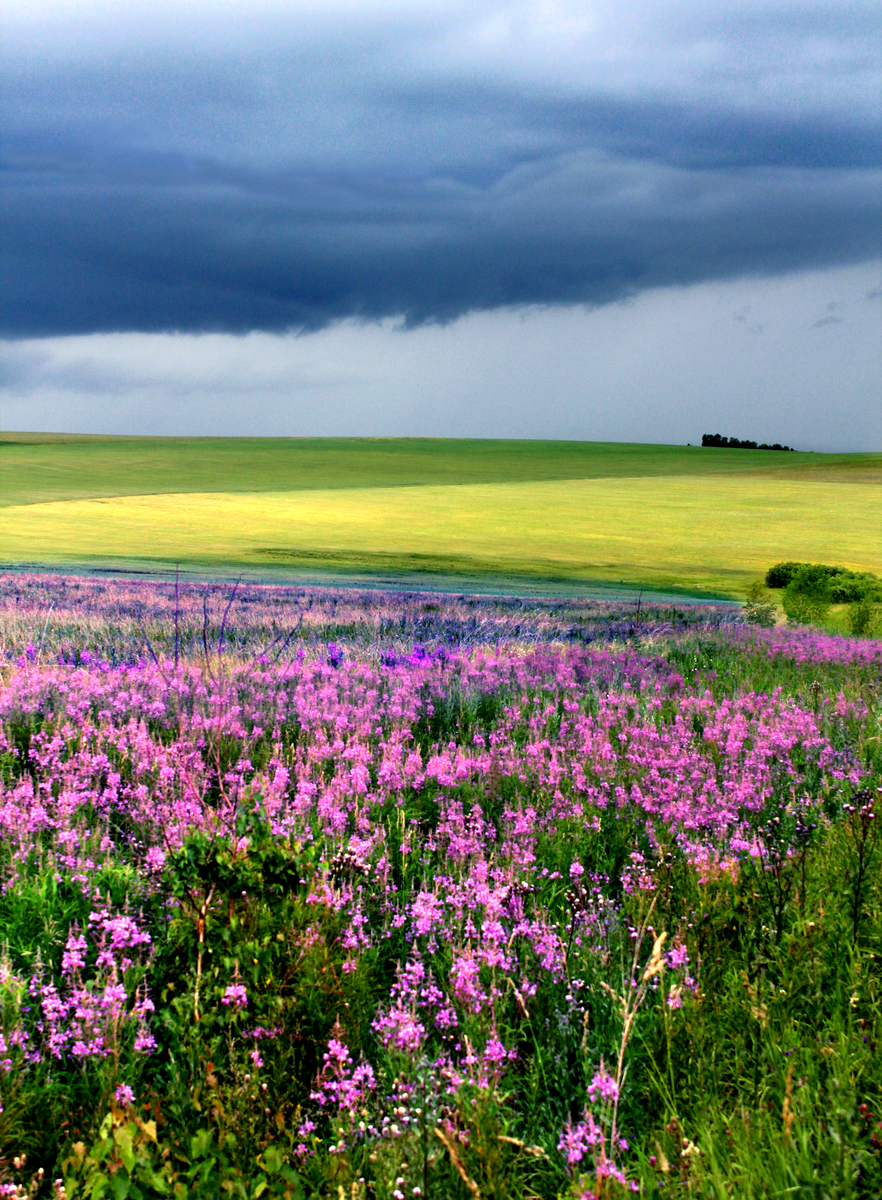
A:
[(781, 573), (861, 618), (759, 609), (844, 586), (807, 597), (128, 1160), (851, 586)]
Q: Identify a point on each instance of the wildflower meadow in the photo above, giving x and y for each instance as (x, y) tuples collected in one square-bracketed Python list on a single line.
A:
[(327, 893)]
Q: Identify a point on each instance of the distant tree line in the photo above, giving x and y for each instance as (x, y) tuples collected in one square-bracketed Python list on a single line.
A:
[(727, 443)]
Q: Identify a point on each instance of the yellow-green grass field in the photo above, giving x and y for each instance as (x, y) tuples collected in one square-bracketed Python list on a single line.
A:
[(705, 521)]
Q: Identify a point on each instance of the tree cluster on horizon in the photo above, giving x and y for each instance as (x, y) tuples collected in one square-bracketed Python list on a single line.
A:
[(727, 443)]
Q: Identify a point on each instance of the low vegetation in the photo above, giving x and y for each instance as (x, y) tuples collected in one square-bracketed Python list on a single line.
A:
[(321, 894), (694, 521), (811, 589), (37, 468)]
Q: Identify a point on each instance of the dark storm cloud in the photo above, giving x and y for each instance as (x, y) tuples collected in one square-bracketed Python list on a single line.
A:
[(377, 169)]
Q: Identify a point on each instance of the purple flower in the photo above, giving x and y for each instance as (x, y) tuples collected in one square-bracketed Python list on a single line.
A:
[(145, 1042), (604, 1086), (577, 1141), (235, 996), (74, 957)]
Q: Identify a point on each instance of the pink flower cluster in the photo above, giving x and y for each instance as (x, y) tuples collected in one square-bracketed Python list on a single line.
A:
[(428, 784), (97, 1006)]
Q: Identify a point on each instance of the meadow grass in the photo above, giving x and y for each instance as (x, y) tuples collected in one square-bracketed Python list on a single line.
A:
[(707, 534), (44, 467), (697, 519)]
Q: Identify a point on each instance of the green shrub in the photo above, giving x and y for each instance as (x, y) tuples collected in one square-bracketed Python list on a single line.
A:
[(851, 586), (781, 573), (806, 599), (127, 1160), (759, 609), (862, 618), (844, 586), (815, 578)]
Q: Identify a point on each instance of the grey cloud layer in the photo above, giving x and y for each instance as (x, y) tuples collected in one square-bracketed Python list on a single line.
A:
[(426, 165)]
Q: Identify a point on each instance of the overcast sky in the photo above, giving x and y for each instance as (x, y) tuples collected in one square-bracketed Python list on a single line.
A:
[(630, 219)]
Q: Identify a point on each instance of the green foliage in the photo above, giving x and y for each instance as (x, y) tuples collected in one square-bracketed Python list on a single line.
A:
[(781, 574), (862, 618), (242, 1064), (759, 609), (837, 584), (851, 586), (767, 1077), (457, 715), (128, 1162), (124, 1161), (807, 597)]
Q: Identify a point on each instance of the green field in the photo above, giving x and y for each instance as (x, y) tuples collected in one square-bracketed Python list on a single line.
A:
[(702, 520)]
